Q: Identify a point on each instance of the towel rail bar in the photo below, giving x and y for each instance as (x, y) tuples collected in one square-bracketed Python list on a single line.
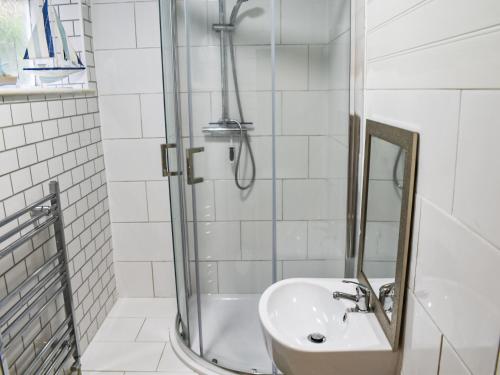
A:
[(37, 292)]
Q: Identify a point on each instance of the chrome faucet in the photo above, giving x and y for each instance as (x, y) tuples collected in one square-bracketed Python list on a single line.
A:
[(386, 296), (362, 298)]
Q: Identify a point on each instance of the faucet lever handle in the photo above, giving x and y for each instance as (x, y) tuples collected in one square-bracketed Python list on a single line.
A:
[(359, 287)]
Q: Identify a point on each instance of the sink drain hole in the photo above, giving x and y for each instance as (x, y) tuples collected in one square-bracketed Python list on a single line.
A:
[(316, 338)]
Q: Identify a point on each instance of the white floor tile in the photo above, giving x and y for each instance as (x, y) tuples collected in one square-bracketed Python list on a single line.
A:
[(119, 329), (130, 356), (155, 329), (144, 307)]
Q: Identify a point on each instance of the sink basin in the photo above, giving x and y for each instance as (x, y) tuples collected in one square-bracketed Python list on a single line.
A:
[(293, 309)]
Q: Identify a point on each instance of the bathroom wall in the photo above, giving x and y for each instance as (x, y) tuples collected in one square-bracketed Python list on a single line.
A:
[(312, 102), (433, 67), (127, 45), (234, 233), (58, 137)]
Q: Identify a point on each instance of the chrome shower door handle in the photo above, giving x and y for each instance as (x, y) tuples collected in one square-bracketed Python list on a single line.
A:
[(164, 160), (191, 180)]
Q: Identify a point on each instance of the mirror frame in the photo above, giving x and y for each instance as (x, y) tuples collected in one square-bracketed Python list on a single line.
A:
[(408, 141)]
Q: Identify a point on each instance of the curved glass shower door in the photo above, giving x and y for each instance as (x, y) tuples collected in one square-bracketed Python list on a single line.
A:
[(257, 100)]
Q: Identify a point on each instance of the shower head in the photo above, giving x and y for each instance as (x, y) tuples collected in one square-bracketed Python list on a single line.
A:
[(236, 9)]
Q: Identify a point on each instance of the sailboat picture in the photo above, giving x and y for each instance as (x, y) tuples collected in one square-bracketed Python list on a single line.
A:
[(49, 55)]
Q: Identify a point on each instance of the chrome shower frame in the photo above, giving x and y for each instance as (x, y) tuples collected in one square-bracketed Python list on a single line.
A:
[(182, 328)]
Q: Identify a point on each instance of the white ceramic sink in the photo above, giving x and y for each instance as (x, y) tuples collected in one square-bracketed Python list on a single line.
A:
[(292, 309)]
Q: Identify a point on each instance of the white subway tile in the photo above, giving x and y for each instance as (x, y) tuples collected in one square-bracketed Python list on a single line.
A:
[(244, 277), (477, 202), (33, 132), (313, 268), (128, 202), (14, 137), (231, 205), (5, 115), (124, 78), (39, 111), (27, 155), (303, 22), (326, 239), (147, 24), (152, 115), (120, 116), (305, 113), (21, 113), (142, 241), (474, 332), (158, 200), (55, 108), (134, 279), (5, 187), (129, 160), (164, 279), (216, 240), (113, 26), (8, 161), (21, 179), (305, 199)]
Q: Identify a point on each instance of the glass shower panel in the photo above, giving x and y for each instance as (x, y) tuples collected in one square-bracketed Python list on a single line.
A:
[(312, 68), (225, 80)]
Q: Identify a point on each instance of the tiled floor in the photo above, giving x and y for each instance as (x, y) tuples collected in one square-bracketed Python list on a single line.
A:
[(133, 340)]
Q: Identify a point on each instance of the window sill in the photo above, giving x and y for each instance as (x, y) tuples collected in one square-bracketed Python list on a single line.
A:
[(45, 91)]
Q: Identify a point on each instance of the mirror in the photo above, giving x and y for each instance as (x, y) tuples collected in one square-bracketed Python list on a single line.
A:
[(388, 189)]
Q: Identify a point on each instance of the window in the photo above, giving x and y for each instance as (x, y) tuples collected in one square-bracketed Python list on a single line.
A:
[(37, 45)]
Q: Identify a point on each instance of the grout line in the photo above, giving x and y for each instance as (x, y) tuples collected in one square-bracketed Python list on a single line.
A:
[(457, 149)]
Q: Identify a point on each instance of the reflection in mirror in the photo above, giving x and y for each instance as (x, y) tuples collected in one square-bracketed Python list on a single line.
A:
[(385, 185)]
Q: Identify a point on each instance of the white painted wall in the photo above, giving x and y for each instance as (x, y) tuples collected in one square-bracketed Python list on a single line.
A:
[(433, 66)]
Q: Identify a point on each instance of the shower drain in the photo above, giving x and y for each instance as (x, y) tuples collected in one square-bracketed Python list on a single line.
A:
[(317, 338)]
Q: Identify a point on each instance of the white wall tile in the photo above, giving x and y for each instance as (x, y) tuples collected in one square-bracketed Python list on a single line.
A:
[(326, 239), (134, 279), (5, 115), (244, 277), (39, 111), (422, 340), (142, 241), (231, 205), (5, 187), (120, 116), (14, 137), (113, 26), (478, 164), (450, 363), (208, 276), (467, 17), (21, 113), (313, 268), (304, 199), (158, 200), (380, 12), (217, 240), (205, 202), (123, 77), (438, 130), (305, 112), (131, 160), (8, 161), (461, 63), (304, 22), (449, 262), (164, 279), (147, 24), (152, 114), (128, 201)]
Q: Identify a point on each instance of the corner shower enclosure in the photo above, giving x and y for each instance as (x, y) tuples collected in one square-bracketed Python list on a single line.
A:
[(257, 102)]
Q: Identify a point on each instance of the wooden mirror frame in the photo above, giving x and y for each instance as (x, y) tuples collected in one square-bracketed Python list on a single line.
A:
[(408, 141)]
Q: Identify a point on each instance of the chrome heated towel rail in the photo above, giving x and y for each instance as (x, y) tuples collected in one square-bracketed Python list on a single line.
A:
[(31, 300)]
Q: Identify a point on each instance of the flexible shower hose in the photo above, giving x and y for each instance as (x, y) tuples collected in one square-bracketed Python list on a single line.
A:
[(244, 138)]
